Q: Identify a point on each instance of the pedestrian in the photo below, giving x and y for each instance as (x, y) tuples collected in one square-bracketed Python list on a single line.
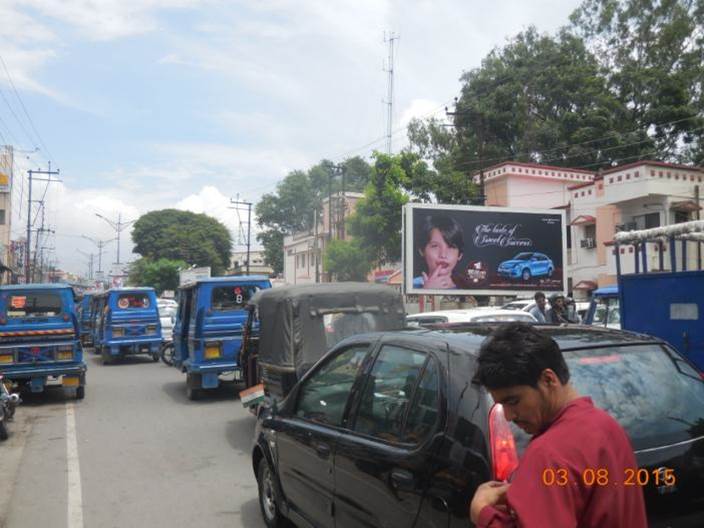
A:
[(557, 314), (539, 311), (524, 370)]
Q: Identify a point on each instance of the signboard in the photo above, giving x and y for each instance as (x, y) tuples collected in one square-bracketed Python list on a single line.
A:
[(193, 274), (4, 182), (470, 250)]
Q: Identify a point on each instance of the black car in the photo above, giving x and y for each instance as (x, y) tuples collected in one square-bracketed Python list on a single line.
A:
[(388, 430)]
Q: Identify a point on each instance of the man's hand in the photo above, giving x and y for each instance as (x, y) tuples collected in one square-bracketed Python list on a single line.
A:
[(490, 493)]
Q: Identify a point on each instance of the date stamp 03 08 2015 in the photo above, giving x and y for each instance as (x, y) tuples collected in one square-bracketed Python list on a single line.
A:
[(602, 477)]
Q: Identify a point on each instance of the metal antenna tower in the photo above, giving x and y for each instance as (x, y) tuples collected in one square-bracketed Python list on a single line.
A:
[(389, 69)]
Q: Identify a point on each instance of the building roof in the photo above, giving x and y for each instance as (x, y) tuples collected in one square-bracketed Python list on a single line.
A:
[(654, 164), (536, 166)]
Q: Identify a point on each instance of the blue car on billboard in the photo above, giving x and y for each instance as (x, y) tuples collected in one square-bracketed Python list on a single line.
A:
[(527, 265)]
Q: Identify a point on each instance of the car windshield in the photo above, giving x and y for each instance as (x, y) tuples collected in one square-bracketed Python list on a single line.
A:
[(653, 393), (128, 301), (523, 256), (33, 304), (339, 326)]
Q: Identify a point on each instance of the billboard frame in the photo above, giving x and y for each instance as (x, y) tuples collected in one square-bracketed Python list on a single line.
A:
[(407, 248)]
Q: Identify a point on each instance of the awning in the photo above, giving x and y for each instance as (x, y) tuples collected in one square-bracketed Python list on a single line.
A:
[(585, 285), (686, 206), (396, 278), (583, 220)]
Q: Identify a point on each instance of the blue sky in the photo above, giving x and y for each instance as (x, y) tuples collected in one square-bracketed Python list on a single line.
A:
[(147, 104)]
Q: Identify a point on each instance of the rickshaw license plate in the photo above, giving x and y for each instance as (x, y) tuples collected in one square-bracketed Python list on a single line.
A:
[(70, 381)]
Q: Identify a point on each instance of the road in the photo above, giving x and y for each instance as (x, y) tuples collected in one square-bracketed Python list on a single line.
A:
[(135, 452)]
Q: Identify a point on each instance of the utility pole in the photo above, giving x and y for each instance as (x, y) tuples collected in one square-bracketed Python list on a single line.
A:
[(90, 262), (100, 245), (241, 203), (119, 227), (477, 121), (389, 69), (50, 173), (698, 214)]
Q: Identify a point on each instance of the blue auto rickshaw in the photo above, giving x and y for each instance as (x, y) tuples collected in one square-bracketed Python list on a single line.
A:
[(39, 337), (208, 329), (97, 306), (128, 324), (83, 313)]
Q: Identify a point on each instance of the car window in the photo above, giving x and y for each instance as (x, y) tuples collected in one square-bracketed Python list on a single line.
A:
[(425, 408), (655, 395), (388, 391), (323, 396), (126, 301), (226, 298), (33, 304)]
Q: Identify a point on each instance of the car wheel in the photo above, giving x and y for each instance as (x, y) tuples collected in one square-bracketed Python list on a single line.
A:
[(81, 392), (268, 496), (526, 274), (105, 355)]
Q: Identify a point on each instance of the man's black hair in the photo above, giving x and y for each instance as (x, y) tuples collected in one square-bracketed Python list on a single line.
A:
[(538, 295), (449, 228), (516, 354)]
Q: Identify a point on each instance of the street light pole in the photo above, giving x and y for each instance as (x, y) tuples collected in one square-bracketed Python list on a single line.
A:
[(119, 227), (100, 244)]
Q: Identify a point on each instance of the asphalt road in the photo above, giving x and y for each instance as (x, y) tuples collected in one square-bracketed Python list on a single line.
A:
[(135, 452)]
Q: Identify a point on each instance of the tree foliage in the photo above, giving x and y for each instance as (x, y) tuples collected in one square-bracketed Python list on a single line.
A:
[(347, 260), (161, 274), (625, 81), (182, 235), (292, 207)]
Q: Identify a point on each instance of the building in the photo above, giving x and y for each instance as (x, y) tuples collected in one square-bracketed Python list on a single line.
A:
[(304, 250), (257, 266), (639, 195), (6, 173)]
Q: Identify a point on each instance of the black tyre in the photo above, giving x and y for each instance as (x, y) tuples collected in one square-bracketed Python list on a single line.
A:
[(167, 353), (192, 394), (526, 274), (105, 355), (81, 392), (3, 431), (155, 357), (268, 496)]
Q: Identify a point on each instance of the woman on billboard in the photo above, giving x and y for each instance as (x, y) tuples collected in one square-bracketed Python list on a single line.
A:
[(439, 240)]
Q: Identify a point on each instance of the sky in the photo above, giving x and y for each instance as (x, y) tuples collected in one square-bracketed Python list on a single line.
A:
[(187, 104)]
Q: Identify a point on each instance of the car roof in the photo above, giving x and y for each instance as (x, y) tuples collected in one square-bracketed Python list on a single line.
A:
[(227, 278), (468, 337), (46, 286)]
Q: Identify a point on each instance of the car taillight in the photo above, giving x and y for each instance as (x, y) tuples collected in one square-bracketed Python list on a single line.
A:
[(503, 446)]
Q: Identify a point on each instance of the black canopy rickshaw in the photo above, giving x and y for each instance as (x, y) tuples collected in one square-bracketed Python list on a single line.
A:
[(289, 328)]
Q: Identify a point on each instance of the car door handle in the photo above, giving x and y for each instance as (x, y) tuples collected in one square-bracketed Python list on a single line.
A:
[(401, 478), (322, 449)]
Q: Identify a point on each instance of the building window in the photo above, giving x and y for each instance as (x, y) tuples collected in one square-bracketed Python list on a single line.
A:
[(2, 216), (647, 221), (681, 216)]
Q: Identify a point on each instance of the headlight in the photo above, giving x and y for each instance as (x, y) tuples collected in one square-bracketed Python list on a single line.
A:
[(212, 351), (118, 332), (6, 358)]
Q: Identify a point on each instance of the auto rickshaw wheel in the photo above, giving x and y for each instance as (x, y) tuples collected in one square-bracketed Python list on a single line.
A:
[(3, 430), (105, 355), (81, 392), (192, 394), (268, 496), (193, 386), (155, 357)]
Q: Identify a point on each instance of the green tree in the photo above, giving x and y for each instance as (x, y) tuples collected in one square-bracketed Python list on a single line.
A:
[(292, 207), (161, 274), (652, 52), (347, 260), (376, 222), (182, 235)]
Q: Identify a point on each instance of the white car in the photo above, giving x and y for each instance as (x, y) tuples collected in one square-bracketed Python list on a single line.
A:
[(472, 315), (524, 305)]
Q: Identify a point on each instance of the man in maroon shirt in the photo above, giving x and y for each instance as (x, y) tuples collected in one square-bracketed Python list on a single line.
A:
[(574, 471)]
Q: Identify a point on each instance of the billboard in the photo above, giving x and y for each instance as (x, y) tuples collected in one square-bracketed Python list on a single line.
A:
[(470, 250)]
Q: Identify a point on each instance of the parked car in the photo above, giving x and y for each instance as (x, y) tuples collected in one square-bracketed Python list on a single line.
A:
[(388, 430), (524, 305), (472, 315), (526, 265)]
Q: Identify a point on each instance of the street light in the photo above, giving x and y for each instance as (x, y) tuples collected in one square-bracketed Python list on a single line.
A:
[(119, 227)]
